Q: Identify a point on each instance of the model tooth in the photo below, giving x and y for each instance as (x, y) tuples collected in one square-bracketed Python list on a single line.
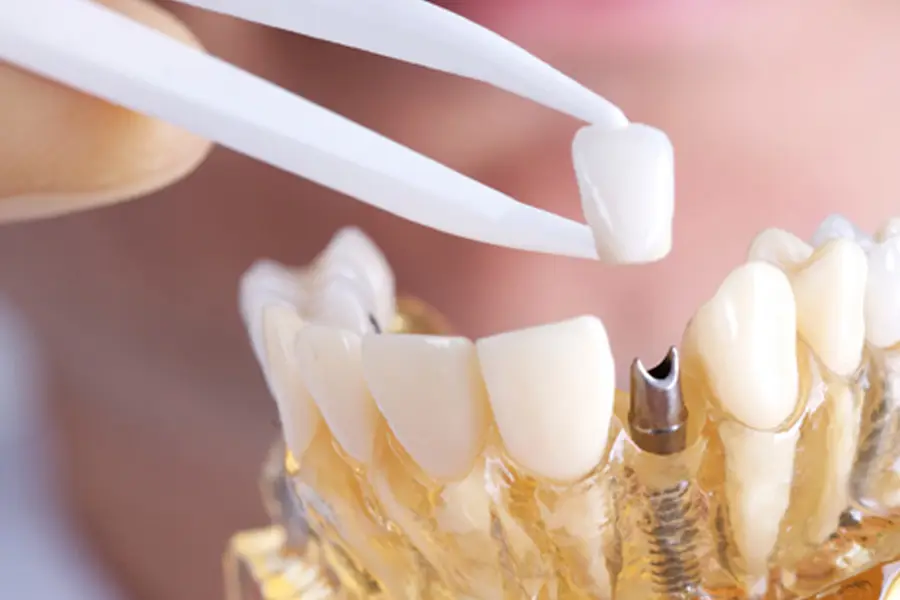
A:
[(431, 393), (329, 361), (746, 337), (352, 259), (883, 295), (889, 230), (779, 247), (830, 294), (627, 182), (268, 283), (836, 227), (551, 389), (299, 417)]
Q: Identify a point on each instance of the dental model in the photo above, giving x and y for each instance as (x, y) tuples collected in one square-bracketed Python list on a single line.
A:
[(625, 170)]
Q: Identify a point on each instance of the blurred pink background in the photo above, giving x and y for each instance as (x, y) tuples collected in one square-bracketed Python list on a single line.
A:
[(780, 113)]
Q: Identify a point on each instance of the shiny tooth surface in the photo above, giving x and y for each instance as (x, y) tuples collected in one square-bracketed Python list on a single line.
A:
[(329, 362), (352, 265), (889, 230), (779, 247), (839, 227), (552, 389), (830, 293), (746, 337), (627, 182), (298, 413), (430, 391), (883, 294)]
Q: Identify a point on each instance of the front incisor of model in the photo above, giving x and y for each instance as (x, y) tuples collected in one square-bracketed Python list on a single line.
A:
[(627, 182), (779, 247), (551, 389), (328, 361), (297, 411), (431, 393), (746, 336)]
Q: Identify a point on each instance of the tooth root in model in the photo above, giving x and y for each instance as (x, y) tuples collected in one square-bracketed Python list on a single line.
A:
[(428, 471), (551, 389), (746, 340)]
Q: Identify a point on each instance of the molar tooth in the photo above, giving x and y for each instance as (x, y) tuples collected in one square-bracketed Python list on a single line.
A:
[(430, 391), (779, 247), (329, 361), (883, 295), (299, 417), (746, 336), (627, 182), (551, 389), (889, 230), (840, 227), (830, 295)]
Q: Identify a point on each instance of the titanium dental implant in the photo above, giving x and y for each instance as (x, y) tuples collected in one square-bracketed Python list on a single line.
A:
[(661, 509)]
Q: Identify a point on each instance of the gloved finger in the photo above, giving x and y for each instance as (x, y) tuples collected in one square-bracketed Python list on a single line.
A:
[(63, 151)]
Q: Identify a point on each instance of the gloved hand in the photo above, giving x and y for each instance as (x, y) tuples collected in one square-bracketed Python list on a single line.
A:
[(62, 151)]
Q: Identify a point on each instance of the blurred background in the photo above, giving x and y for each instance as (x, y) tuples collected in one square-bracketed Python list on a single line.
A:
[(133, 419)]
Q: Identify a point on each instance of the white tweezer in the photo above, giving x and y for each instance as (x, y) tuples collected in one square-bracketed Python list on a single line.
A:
[(93, 49)]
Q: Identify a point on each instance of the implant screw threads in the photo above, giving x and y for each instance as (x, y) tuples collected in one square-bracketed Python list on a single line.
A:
[(664, 561), (875, 482)]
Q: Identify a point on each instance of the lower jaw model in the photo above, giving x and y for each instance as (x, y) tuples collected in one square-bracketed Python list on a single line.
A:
[(759, 459)]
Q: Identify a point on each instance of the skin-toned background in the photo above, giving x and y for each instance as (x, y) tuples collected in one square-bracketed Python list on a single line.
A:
[(780, 113)]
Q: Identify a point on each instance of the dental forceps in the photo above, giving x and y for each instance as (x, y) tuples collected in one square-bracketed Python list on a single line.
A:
[(93, 49)]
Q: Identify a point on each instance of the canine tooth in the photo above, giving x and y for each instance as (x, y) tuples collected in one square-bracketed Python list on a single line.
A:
[(830, 295), (889, 230), (430, 391), (297, 411), (551, 389), (883, 294), (779, 247), (329, 361), (746, 337), (627, 182), (352, 257), (839, 227)]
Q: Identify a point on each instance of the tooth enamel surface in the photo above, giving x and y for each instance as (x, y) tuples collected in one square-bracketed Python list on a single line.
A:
[(780, 248), (430, 391), (883, 295), (265, 284), (551, 389), (351, 257), (297, 411), (746, 337), (889, 230), (839, 227), (329, 361), (627, 182), (343, 303), (830, 294)]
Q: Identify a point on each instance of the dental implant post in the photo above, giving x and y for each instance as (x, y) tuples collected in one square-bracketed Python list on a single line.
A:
[(663, 542)]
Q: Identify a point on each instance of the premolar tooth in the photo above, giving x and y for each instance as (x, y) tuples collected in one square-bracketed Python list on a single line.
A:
[(299, 417), (551, 389), (830, 295), (883, 295), (430, 391), (839, 227), (746, 336), (329, 361), (627, 182), (779, 247)]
